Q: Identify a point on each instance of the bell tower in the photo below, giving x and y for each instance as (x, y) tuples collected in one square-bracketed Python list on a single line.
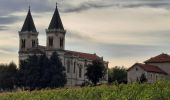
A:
[(55, 33), (28, 36)]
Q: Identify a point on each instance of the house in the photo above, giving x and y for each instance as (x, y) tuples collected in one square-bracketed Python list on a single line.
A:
[(155, 68), (75, 62)]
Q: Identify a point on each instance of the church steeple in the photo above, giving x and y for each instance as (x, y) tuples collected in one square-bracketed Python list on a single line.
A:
[(56, 33), (56, 22), (29, 23), (28, 35)]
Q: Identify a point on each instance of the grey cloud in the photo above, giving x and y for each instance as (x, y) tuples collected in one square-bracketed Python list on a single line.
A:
[(12, 50), (2, 28), (77, 35), (8, 19), (8, 7), (153, 5), (67, 6), (84, 6), (109, 50), (161, 37), (8, 50), (127, 50)]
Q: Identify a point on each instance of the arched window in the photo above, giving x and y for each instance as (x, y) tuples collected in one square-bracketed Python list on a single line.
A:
[(50, 41), (68, 66), (74, 67), (80, 71), (61, 42), (23, 43), (33, 43)]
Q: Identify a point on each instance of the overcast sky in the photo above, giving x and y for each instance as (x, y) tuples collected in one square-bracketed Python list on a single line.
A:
[(122, 31)]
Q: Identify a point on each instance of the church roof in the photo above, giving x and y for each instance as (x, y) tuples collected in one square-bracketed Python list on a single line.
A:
[(159, 59), (29, 24), (56, 22), (149, 68), (83, 55)]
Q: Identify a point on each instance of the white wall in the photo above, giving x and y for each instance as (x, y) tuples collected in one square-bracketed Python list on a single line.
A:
[(135, 73), (56, 40), (164, 66)]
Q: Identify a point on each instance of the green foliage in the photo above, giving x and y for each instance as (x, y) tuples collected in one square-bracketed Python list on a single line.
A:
[(117, 74), (135, 91), (41, 72), (143, 78), (29, 72), (57, 71), (8, 76), (95, 71)]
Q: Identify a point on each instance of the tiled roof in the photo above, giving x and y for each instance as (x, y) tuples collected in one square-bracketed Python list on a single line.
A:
[(83, 55), (56, 22), (150, 68), (159, 59), (29, 25)]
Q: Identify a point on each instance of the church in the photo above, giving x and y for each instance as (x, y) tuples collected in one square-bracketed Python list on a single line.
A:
[(74, 62)]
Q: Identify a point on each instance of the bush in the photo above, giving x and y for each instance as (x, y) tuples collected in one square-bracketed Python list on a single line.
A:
[(135, 91)]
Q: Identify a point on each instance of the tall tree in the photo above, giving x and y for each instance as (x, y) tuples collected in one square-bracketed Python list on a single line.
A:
[(57, 71), (45, 74), (30, 72), (95, 71), (41, 72), (12, 72), (8, 76), (117, 74)]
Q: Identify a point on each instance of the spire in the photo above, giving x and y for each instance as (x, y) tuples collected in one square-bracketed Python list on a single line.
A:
[(56, 22), (29, 23)]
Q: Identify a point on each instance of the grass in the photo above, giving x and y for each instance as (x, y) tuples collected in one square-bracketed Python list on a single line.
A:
[(135, 91)]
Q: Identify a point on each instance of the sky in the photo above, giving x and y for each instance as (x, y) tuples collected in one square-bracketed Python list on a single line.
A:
[(123, 32)]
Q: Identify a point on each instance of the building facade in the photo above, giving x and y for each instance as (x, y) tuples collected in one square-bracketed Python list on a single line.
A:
[(156, 68), (74, 62)]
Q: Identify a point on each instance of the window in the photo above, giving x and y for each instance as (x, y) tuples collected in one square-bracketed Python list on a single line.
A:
[(74, 67), (33, 43), (61, 42), (68, 66), (23, 43), (136, 69), (151, 76), (80, 72), (50, 41)]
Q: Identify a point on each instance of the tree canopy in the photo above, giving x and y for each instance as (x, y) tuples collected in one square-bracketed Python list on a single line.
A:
[(95, 71), (42, 72), (8, 75), (117, 74)]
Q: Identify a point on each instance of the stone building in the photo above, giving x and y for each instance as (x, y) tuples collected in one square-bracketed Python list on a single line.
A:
[(156, 68), (75, 62)]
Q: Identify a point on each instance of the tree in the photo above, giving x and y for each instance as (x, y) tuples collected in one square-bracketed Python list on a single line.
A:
[(8, 76), (117, 74), (95, 71), (143, 78), (12, 72), (45, 74), (29, 72), (39, 72), (57, 71)]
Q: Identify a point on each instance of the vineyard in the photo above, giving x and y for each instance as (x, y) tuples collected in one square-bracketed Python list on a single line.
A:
[(156, 91)]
